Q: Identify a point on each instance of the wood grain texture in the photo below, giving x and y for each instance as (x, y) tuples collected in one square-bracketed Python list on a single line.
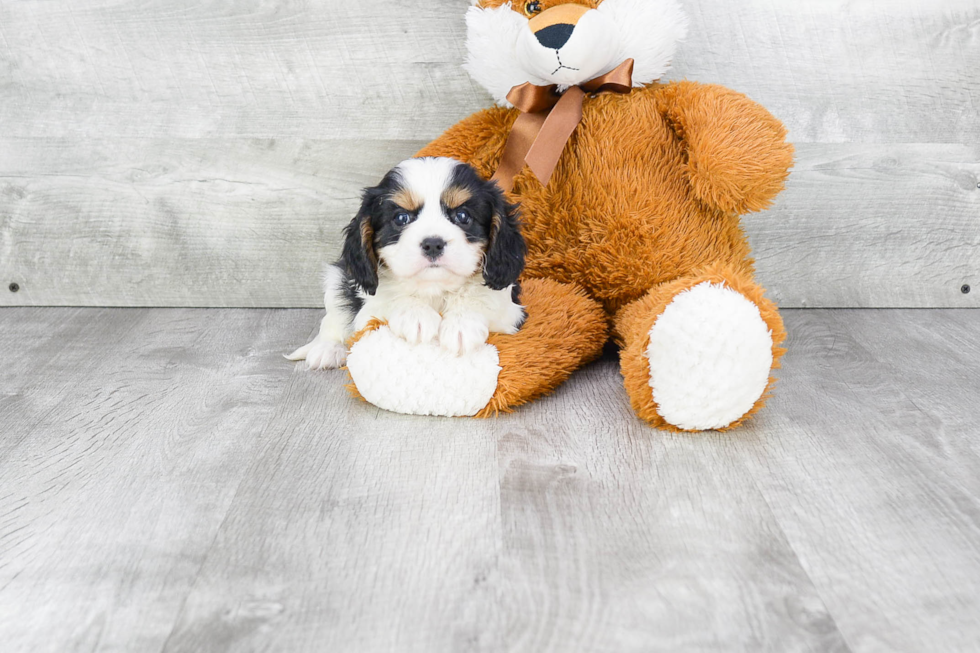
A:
[(169, 483), (840, 71), (354, 530), (835, 71), (250, 223), (878, 431), (207, 153), (370, 70), (873, 226), (180, 222), (125, 438), (620, 538)]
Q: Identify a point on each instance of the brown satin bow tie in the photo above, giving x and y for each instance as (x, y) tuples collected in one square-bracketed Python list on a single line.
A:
[(547, 121)]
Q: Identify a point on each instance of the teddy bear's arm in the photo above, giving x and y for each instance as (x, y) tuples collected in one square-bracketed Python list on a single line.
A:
[(737, 154), (477, 140)]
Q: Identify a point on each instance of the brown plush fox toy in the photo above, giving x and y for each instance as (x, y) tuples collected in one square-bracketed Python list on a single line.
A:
[(630, 193)]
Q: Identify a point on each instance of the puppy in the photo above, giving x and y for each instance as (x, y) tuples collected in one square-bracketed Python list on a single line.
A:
[(435, 251)]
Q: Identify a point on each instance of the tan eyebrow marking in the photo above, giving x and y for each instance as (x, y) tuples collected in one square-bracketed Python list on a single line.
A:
[(407, 199), (455, 196)]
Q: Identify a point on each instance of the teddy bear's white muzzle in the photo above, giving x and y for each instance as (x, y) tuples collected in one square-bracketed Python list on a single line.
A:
[(566, 53)]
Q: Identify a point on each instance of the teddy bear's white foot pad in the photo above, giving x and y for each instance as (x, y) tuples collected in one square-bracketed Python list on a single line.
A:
[(710, 355), (422, 379)]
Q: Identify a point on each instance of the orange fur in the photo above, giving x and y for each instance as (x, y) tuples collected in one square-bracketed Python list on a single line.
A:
[(632, 332), (644, 203), (564, 330), (618, 227)]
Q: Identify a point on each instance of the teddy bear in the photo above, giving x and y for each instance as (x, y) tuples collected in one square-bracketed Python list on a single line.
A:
[(630, 192)]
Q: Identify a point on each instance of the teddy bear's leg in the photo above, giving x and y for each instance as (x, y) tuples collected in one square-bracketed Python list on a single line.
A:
[(698, 351), (564, 330)]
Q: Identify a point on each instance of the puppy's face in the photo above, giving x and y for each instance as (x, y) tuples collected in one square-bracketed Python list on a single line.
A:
[(435, 221)]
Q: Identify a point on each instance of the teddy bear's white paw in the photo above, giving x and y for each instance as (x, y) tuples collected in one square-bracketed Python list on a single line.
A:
[(422, 379), (710, 356), (416, 324), (460, 334), (321, 354)]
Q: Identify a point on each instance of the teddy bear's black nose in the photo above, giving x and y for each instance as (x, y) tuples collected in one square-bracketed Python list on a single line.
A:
[(555, 36)]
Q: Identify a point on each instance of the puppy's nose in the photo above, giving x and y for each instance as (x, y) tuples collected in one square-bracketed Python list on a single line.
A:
[(553, 27), (432, 247)]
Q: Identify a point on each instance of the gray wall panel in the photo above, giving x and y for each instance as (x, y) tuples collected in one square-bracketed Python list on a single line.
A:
[(207, 153)]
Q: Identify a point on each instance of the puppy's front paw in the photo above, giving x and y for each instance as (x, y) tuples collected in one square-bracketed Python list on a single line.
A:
[(461, 335), (321, 354), (416, 324)]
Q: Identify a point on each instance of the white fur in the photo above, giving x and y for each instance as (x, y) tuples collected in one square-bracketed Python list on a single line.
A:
[(710, 356), (419, 315), (422, 379), (649, 31), (321, 354), (459, 320), (502, 52), (588, 53), (428, 178), (421, 301), (491, 46), (328, 350)]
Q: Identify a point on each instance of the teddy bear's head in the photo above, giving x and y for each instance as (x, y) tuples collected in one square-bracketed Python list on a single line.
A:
[(569, 42)]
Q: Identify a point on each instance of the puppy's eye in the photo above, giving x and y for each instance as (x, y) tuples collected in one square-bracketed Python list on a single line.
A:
[(532, 7), (462, 216), (402, 218)]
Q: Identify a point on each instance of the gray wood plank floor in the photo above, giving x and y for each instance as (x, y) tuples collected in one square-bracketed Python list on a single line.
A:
[(169, 483)]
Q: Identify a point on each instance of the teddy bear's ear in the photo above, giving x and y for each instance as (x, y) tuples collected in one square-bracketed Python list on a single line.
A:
[(358, 255), (503, 261)]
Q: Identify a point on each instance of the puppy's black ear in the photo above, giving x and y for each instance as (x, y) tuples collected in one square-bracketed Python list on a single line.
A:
[(504, 258), (358, 255)]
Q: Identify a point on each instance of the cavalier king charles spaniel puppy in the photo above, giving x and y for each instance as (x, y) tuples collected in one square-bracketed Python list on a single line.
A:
[(435, 251)]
